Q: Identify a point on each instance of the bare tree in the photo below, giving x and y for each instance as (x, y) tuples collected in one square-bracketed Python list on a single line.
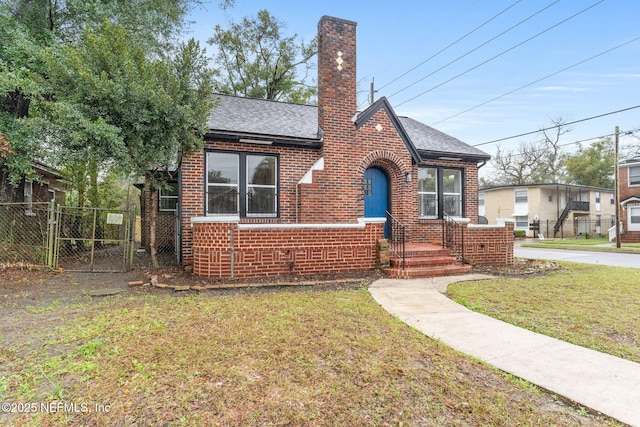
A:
[(533, 162)]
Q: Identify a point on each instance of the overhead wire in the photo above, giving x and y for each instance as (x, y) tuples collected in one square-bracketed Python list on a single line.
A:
[(451, 45), (500, 54), (474, 49), (575, 142), (538, 80), (557, 126)]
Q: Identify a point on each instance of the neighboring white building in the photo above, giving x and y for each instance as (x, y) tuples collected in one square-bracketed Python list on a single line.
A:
[(561, 210)]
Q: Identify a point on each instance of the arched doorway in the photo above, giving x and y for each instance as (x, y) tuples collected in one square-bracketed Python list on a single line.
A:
[(376, 194)]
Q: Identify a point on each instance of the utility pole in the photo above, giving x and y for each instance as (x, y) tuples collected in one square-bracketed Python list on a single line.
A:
[(617, 184), (372, 93)]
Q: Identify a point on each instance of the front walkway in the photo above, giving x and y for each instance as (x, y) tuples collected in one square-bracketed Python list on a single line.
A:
[(596, 380)]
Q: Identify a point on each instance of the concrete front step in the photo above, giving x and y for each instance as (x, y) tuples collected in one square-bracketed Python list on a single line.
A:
[(422, 272)]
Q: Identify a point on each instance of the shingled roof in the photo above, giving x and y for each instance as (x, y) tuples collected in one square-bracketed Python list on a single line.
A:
[(239, 117), (433, 143), (260, 117)]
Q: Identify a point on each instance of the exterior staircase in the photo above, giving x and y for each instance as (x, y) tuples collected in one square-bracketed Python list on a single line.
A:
[(425, 260)]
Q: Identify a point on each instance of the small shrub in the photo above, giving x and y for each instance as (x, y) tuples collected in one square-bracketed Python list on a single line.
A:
[(519, 233)]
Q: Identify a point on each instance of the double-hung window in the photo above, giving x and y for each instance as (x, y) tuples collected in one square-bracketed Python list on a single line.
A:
[(428, 192), (634, 175), (244, 184), (633, 218), (440, 191), (168, 198), (521, 196)]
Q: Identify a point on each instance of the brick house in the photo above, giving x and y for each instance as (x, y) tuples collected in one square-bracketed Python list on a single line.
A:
[(629, 187), (49, 186), (283, 188)]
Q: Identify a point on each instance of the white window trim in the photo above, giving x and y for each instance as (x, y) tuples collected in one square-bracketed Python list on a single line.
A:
[(629, 176), (28, 197), (520, 227), (632, 226), (520, 190), (434, 193), (162, 196)]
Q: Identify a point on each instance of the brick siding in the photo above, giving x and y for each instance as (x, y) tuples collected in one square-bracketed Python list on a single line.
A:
[(625, 192), (232, 250), (489, 244)]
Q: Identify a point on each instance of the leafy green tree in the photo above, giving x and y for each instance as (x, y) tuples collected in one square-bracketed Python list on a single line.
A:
[(136, 114), (30, 26), (257, 61), (593, 165), (155, 24), (19, 84)]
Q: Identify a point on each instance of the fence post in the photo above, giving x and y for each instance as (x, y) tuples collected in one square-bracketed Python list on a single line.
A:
[(51, 222)]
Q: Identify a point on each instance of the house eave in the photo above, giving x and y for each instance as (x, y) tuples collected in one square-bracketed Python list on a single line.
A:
[(443, 155), (630, 199), (274, 140)]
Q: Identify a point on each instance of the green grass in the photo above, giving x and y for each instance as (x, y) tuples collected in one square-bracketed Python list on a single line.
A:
[(593, 306), (591, 244), (330, 358)]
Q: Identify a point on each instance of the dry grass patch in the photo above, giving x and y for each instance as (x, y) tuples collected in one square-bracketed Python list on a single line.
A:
[(589, 305), (332, 358)]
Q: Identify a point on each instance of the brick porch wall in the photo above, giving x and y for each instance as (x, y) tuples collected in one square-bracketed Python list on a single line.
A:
[(489, 244), (232, 250)]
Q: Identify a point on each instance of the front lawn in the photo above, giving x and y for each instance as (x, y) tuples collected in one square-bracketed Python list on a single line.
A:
[(601, 244), (306, 358), (589, 305)]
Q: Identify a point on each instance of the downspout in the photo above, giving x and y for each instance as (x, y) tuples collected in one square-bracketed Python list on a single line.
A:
[(297, 202)]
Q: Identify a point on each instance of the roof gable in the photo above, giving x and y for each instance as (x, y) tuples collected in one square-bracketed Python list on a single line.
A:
[(383, 104)]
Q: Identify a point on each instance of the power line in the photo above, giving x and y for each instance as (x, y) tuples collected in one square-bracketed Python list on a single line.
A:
[(567, 144), (500, 54), (557, 126), (451, 45), (537, 81), (576, 142), (472, 50)]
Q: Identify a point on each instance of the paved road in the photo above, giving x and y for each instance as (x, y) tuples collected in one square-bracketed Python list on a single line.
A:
[(588, 257)]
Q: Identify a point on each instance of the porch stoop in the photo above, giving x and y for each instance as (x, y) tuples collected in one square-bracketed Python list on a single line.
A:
[(425, 260)]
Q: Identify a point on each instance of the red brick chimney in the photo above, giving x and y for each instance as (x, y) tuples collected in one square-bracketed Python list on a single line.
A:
[(337, 100)]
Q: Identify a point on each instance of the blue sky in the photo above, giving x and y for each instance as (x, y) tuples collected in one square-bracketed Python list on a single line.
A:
[(395, 37)]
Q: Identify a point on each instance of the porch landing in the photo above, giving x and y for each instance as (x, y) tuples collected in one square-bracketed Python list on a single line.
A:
[(425, 260)]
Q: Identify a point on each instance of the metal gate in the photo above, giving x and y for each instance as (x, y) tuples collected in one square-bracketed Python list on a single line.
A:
[(94, 239)]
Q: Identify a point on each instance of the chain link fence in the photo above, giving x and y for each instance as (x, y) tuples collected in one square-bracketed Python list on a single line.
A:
[(25, 233), (167, 239), (81, 238), (94, 239), (586, 227)]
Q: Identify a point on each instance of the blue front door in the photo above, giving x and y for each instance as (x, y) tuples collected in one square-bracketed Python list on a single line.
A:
[(376, 194)]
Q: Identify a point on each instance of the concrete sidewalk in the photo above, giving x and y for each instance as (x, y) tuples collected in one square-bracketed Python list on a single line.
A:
[(596, 380)]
